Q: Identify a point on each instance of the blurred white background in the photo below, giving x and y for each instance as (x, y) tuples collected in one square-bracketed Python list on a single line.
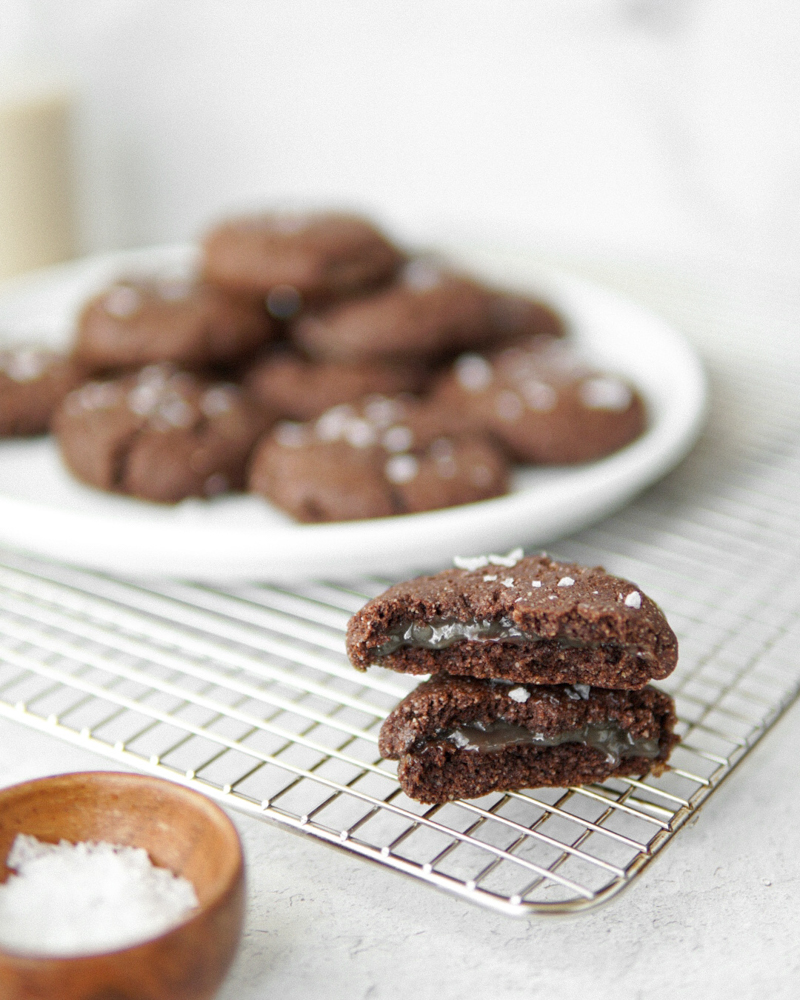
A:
[(651, 129)]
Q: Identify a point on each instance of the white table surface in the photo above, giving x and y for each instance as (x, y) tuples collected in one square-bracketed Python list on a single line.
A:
[(715, 915)]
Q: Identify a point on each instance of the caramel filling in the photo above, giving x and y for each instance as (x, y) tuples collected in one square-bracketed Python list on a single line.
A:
[(440, 633), (609, 738)]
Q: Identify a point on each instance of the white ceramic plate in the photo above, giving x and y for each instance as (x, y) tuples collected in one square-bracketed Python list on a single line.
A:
[(44, 511)]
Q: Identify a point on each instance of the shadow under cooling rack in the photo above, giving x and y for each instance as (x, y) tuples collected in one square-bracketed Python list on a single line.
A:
[(246, 694)]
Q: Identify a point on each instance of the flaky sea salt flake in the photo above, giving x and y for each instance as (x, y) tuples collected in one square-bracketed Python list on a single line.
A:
[(470, 563), (634, 600), (509, 560)]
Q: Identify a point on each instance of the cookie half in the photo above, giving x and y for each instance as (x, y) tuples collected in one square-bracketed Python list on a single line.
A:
[(33, 381), (380, 457), (161, 434), (463, 738), (543, 402), (294, 257), (531, 620)]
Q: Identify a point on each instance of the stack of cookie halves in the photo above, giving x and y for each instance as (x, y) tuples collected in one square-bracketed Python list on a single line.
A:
[(540, 676)]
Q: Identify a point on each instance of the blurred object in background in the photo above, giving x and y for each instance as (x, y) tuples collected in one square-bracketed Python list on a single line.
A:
[(36, 211), (640, 129), (36, 225)]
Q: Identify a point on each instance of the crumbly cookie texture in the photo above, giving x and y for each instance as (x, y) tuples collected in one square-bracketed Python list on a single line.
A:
[(293, 258), (161, 434), (381, 456), (33, 381), (193, 324), (532, 620), (577, 735)]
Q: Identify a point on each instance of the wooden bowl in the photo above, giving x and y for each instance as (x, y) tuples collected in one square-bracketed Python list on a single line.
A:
[(180, 830)]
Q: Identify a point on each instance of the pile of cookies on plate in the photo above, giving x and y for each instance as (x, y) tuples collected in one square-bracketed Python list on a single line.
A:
[(315, 363)]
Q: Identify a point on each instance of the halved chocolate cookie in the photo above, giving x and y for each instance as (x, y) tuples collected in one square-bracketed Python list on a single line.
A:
[(33, 381), (463, 738), (532, 620), (379, 457), (161, 434), (136, 323)]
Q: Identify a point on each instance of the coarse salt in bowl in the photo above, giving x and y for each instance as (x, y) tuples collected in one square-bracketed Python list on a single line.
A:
[(137, 826)]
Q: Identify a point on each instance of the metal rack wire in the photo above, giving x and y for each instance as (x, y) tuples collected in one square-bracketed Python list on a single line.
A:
[(245, 692)]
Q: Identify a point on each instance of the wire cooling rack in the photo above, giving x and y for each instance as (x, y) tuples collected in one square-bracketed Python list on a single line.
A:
[(245, 692)]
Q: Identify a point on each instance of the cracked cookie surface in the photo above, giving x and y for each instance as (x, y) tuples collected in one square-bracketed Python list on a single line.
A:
[(161, 434), (375, 458)]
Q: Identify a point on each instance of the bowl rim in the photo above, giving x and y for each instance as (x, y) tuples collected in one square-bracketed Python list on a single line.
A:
[(235, 877)]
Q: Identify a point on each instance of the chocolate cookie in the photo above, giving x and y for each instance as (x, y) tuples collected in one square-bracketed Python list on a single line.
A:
[(161, 434), (543, 402), (515, 317), (295, 257), (426, 312), (376, 459), (531, 620), (33, 381), (463, 738), (137, 322), (291, 386)]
